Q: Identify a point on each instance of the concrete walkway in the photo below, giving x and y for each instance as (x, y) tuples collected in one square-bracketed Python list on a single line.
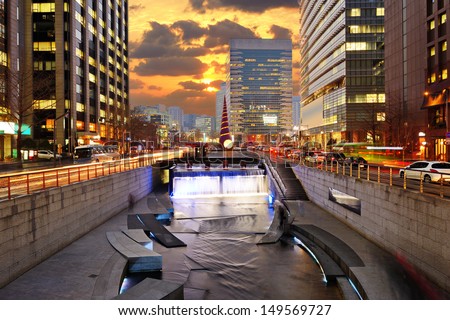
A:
[(78, 271)]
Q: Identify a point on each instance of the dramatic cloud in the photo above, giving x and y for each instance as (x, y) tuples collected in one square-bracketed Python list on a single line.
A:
[(153, 87), (221, 33), (136, 7), (195, 86), (136, 84), (177, 66), (190, 30), (280, 32), (255, 6), (175, 40)]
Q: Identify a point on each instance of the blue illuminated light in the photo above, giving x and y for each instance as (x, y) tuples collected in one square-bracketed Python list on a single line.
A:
[(300, 243)]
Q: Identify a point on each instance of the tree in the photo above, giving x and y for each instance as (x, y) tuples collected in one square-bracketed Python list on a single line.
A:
[(26, 91)]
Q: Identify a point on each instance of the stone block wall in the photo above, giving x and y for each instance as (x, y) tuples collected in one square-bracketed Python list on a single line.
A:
[(401, 221), (36, 226)]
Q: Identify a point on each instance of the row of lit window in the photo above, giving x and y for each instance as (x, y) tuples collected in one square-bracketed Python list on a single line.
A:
[(442, 18), (366, 29), (360, 46), (356, 12), (442, 76), (368, 98)]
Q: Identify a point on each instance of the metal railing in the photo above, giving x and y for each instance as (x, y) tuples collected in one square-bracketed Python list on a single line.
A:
[(23, 183), (386, 175)]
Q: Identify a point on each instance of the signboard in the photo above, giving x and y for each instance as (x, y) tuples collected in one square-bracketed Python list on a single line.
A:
[(447, 135), (447, 141), (270, 119)]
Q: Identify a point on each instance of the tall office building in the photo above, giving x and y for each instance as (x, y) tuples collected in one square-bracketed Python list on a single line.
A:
[(80, 48), (342, 70), (11, 21), (405, 52), (259, 85), (177, 117), (437, 86)]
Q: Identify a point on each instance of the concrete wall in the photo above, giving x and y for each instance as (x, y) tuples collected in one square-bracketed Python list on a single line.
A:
[(36, 226), (401, 221)]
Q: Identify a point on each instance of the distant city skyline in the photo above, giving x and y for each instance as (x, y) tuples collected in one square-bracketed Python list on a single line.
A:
[(178, 50)]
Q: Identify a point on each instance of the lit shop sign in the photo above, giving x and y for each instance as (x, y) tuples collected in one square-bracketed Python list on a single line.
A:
[(12, 128), (270, 119)]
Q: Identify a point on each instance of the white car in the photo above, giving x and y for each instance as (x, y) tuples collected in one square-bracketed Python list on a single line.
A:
[(47, 154), (428, 171)]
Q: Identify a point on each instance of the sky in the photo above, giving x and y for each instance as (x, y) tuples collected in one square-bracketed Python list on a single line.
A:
[(178, 48)]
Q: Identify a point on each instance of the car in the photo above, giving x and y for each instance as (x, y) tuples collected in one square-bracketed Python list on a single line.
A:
[(47, 154), (91, 153), (428, 171), (312, 158), (334, 157), (356, 162)]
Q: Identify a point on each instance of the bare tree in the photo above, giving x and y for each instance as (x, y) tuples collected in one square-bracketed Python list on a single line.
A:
[(394, 122), (26, 91)]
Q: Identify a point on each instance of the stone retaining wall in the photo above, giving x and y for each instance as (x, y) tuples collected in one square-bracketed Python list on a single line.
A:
[(36, 226), (401, 221)]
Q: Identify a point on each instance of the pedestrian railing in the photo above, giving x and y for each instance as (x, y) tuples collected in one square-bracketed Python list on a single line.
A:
[(386, 175), (23, 183)]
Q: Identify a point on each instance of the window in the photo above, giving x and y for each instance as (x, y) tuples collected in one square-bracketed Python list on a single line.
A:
[(431, 52), (380, 12), (431, 25), (444, 74), (444, 46), (442, 18), (356, 12)]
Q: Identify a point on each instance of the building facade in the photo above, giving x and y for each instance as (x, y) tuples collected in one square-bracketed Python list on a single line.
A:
[(405, 52), (177, 117), (11, 18), (342, 71), (259, 87), (437, 95), (80, 49)]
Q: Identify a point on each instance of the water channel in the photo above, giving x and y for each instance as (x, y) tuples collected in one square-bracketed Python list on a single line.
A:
[(222, 259)]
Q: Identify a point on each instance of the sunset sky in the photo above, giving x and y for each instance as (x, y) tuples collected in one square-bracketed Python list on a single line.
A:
[(178, 48)]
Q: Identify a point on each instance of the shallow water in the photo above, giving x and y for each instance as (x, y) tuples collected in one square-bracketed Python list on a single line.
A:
[(223, 261)]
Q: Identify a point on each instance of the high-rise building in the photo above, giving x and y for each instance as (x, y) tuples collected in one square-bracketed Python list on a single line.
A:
[(405, 65), (259, 86), (437, 88), (11, 21), (177, 117), (342, 70), (81, 49)]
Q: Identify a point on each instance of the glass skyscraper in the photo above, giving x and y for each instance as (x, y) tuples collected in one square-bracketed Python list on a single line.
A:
[(342, 70), (259, 86)]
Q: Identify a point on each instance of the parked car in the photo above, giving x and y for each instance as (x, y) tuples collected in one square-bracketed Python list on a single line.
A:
[(428, 171), (47, 154), (356, 162)]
